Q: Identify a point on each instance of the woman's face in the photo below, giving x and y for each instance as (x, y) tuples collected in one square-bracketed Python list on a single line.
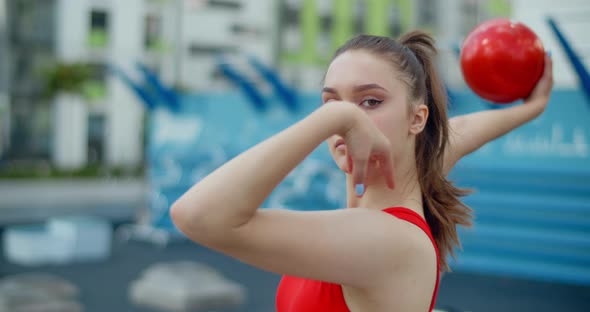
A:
[(372, 83)]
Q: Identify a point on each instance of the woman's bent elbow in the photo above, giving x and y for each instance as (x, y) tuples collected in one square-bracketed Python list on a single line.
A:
[(175, 213), (179, 215), (197, 226)]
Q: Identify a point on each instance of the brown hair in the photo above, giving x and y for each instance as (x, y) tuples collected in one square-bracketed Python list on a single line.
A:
[(413, 55)]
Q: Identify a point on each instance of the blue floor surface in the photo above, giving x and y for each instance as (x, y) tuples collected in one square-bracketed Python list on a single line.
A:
[(104, 285)]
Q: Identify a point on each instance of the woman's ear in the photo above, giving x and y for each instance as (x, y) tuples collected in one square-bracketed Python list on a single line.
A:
[(418, 119)]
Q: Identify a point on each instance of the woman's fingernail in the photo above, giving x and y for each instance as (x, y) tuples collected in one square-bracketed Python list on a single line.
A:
[(549, 53), (360, 189)]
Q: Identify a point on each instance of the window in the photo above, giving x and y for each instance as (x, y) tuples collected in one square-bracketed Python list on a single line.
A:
[(96, 86), (152, 34), (99, 27), (226, 4), (96, 135), (200, 49), (222, 4)]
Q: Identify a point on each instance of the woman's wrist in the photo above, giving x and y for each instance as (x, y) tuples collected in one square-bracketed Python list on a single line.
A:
[(537, 105), (340, 116)]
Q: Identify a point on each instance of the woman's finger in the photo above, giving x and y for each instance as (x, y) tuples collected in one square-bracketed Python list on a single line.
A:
[(387, 170), (545, 84), (359, 173), (547, 78), (548, 73)]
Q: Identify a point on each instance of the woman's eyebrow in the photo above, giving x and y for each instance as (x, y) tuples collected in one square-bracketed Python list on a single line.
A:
[(329, 90), (368, 87), (358, 88)]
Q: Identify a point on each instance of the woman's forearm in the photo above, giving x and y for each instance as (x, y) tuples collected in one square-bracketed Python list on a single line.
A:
[(498, 122), (229, 197), (471, 131)]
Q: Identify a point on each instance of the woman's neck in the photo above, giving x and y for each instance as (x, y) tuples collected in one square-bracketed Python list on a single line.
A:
[(407, 193)]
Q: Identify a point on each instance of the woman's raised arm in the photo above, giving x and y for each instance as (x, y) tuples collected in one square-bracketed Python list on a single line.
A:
[(470, 132)]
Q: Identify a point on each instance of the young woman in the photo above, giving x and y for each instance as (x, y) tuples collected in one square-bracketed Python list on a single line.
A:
[(384, 116)]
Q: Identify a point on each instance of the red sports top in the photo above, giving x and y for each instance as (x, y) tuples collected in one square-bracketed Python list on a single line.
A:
[(296, 294)]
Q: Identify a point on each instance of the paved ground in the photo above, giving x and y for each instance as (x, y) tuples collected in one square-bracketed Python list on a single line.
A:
[(104, 285)]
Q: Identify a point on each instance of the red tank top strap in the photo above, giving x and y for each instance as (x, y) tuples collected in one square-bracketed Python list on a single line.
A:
[(414, 218)]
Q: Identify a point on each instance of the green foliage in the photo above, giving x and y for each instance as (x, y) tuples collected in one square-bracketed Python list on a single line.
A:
[(159, 47), (41, 171), (98, 39), (71, 78), (499, 8)]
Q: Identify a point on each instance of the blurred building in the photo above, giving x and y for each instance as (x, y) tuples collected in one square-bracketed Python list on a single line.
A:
[(183, 40), (4, 82), (179, 39), (28, 30), (103, 33), (312, 30), (198, 32)]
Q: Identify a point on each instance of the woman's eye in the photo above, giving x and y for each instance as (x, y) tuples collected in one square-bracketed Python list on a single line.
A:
[(370, 103)]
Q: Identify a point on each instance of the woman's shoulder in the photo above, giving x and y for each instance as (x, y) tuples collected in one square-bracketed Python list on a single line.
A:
[(409, 278), (410, 216), (416, 237)]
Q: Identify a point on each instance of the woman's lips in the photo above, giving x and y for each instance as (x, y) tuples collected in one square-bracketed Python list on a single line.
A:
[(339, 145)]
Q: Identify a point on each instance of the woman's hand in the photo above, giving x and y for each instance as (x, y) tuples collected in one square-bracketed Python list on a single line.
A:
[(367, 149), (540, 95)]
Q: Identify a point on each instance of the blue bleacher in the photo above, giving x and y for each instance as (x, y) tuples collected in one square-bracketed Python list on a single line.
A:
[(531, 211)]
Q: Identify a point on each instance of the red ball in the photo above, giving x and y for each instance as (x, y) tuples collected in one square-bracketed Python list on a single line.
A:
[(502, 60)]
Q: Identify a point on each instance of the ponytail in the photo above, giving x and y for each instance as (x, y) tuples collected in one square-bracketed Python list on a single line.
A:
[(443, 207), (413, 55)]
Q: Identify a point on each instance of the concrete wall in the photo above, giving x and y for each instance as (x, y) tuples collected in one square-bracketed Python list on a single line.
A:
[(124, 112), (69, 112), (72, 30)]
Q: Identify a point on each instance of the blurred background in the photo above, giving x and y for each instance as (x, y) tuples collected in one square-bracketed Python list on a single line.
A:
[(111, 109)]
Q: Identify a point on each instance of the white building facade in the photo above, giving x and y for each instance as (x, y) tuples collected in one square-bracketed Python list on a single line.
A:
[(182, 39), (199, 31), (69, 130), (179, 39), (106, 33)]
